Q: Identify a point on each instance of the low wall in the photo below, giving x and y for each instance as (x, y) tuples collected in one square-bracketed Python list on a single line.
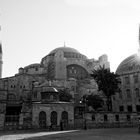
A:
[(114, 117), (107, 120)]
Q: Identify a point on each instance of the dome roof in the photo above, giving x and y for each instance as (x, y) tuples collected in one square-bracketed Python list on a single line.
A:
[(64, 49), (68, 53), (130, 64)]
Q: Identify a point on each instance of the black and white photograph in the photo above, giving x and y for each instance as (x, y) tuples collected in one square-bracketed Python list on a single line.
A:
[(69, 69)]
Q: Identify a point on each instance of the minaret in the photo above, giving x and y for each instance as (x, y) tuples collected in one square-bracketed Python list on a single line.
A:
[(139, 40), (64, 44), (0, 58)]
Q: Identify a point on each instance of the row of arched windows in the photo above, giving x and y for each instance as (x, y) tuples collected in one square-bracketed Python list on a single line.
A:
[(128, 93), (136, 91), (53, 118), (73, 55), (127, 79)]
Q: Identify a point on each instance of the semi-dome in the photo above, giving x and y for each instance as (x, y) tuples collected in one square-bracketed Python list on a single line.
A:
[(130, 64)]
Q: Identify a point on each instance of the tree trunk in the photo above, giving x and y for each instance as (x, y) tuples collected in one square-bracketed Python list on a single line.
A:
[(109, 103)]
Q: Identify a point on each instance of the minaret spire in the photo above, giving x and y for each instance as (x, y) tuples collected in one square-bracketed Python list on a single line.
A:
[(139, 40), (1, 62), (139, 36), (0, 44), (64, 44), (0, 48)]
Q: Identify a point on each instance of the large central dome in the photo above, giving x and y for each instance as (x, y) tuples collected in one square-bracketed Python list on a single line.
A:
[(68, 52), (130, 64), (64, 49)]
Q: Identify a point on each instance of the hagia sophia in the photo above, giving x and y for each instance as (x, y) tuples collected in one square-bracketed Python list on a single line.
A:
[(63, 67), (30, 97)]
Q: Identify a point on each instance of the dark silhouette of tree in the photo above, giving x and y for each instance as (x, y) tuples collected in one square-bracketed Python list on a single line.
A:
[(64, 95), (95, 101), (108, 83)]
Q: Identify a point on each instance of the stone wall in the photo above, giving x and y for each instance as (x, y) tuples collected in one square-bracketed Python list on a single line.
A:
[(2, 118), (112, 117)]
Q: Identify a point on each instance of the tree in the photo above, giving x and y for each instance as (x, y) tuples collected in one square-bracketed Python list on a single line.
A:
[(108, 83), (95, 101), (64, 95)]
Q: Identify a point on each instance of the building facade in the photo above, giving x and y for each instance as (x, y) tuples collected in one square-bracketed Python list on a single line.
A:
[(30, 97), (128, 99)]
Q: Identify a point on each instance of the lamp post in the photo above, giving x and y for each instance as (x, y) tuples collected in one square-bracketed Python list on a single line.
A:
[(84, 101), (85, 105)]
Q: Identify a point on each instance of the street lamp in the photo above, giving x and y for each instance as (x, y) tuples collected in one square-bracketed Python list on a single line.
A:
[(84, 101), (85, 106)]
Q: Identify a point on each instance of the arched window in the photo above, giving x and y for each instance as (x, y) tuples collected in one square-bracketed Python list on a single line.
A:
[(128, 93), (136, 79), (42, 119), (105, 118), (51, 97), (53, 118), (64, 115), (127, 80), (117, 117), (64, 118), (137, 92)]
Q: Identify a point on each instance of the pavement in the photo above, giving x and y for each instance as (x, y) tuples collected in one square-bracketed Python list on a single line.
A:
[(92, 134)]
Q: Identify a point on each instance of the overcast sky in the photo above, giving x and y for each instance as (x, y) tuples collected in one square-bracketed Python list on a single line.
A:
[(33, 28)]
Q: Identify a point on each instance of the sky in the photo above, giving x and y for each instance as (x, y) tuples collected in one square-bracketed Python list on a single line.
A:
[(30, 29)]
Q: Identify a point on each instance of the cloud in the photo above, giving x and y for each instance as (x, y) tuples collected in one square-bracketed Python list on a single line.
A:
[(104, 3), (88, 3)]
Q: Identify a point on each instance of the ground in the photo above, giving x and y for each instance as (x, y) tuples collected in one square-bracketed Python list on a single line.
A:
[(93, 134)]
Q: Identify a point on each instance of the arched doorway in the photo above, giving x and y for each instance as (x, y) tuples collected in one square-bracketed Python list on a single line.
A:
[(64, 118), (53, 118), (42, 119)]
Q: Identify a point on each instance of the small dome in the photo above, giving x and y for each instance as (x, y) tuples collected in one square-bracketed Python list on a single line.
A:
[(130, 64)]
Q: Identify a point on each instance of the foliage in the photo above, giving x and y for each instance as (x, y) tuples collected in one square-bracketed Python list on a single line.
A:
[(95, 101), (64, 95), (108, 82)]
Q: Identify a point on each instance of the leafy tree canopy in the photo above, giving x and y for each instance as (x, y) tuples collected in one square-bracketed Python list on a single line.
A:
[(95, 101), (64, 95), (108, 82)]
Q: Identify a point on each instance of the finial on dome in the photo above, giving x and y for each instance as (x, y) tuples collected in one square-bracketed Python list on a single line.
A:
[(64, 44)]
